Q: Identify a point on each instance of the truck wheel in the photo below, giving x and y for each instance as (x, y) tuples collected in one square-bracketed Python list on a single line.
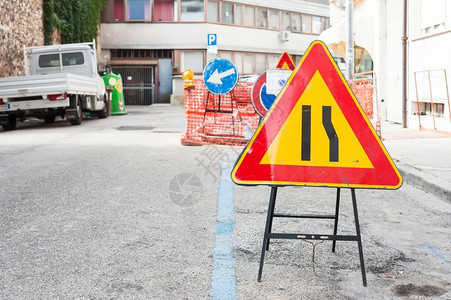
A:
[(102, 114), (11, 125), (74, 101), (50, 118)]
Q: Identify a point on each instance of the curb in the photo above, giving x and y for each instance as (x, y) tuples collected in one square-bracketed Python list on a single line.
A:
[(425, 181)]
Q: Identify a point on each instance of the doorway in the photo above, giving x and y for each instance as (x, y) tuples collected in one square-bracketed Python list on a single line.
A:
[(164, 80), (138, 84)]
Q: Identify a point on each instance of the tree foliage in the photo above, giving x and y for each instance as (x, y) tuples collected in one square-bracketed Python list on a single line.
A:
[(76, 20)]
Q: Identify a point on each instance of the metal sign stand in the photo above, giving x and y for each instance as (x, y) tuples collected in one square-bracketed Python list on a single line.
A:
[(219, 110), (219, 105), (269, 235)]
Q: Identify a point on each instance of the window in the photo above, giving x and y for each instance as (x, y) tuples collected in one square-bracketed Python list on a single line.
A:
[(138, 10), (53, 60), (213, 11), (239, 62), (296, 59), (251, 63), (286, 21), (118, 10), (165, 10), (249, 16), (272, 61), (262, 18), (260, 63), (306, 24), (438, 110), (72, 59), (227, 13), (248, 64), (193, 60), (227, 55), (324, 24), (433, 15), (316, 25), (191, 10), (273, 19), (296, 22), (49, 60), (238, 15)]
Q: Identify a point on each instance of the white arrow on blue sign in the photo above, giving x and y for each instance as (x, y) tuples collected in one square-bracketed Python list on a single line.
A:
[(220, 76)]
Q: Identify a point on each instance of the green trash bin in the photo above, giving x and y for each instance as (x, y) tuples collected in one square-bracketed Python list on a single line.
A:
[(114, 81)]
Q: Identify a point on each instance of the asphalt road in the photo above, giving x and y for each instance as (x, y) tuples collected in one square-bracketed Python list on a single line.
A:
[(119, 209)]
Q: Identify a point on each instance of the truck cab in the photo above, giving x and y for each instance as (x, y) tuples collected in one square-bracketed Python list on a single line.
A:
[(75, 59)]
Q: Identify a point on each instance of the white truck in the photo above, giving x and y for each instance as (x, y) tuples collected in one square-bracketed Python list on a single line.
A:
[(60, 80)]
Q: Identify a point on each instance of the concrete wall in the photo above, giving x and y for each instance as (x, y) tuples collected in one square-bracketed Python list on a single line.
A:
[(20, 25), (194, 36)]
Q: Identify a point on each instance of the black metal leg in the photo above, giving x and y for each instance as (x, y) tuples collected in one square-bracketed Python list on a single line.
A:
[(337, 210), (359, 239), (231, 111), (273, 195), (272, 203), (206, 105)]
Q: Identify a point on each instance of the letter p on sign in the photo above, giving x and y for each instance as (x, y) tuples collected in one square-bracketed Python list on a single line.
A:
[(212, 41)]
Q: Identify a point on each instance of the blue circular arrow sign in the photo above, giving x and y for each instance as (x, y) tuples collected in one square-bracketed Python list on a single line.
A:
[(220, 76)]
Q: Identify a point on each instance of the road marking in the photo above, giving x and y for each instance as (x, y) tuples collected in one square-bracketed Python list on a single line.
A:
[(223, 281)]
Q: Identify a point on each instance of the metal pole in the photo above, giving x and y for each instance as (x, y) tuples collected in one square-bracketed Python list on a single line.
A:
[(337, 211), (273, 195), (359, 238), (404, 66), (266, 238), (350, 39)]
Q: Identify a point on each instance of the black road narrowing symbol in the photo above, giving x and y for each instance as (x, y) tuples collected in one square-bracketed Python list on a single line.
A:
[(306, 139)]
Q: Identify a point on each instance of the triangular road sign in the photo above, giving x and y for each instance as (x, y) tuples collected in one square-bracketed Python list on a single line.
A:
[(285, 62), (316, 134)]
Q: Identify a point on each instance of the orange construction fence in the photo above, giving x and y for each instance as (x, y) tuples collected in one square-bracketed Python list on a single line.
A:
[(219, 119), (363, 87), (363, 90), (230, 119)]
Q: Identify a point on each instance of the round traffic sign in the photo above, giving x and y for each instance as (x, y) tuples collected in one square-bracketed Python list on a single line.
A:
[(261, 100), (220, 76)]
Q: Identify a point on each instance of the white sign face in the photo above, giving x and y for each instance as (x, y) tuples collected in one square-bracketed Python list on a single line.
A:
[(276, 79), (212, 49)]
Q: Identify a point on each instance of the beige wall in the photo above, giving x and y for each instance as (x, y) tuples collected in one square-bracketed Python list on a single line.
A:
[(194, 36), (20, 25)]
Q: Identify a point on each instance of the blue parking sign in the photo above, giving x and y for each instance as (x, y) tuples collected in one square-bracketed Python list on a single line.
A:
[(212, 39)]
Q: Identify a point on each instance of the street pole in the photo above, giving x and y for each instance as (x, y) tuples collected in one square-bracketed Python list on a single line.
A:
[(404, 66), (349, 39)]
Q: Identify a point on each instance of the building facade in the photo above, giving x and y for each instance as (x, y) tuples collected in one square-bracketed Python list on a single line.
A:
[(429, 64), (378, 28), (151, 42)]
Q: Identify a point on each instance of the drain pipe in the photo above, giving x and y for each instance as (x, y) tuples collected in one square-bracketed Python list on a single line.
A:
[(404, 66), (349, 39)]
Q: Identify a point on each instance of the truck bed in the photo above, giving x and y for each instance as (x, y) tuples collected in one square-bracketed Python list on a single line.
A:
[(48, 84)]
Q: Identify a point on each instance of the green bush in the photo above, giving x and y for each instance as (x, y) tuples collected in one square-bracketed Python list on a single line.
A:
[(77, 20)]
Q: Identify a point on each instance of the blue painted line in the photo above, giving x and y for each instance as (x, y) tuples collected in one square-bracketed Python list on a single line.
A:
[(223, 281), (435, 252)]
